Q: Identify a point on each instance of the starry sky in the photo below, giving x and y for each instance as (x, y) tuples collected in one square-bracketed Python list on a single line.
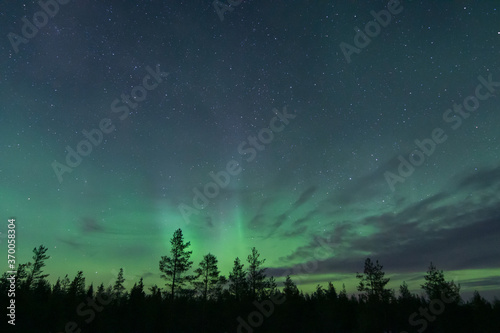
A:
[(278, 126)]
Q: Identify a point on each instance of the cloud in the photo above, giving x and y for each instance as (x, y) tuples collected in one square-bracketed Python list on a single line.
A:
[(453, 235), (74, 244), (491, 281), (279, 221), (306, 218), (90, 225), (366, 187), (304, 197), (296, 232), (326, 246), (482, 179), (256, 221), (300, 221), (208, 221)]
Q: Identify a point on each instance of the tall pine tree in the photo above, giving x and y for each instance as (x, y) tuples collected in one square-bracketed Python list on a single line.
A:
[(372, 282), (290, 290), (238, 285), (435, 285), (209, 274), (77, 286), (256, 274), (118, 288), (175, 266), (36, 275)]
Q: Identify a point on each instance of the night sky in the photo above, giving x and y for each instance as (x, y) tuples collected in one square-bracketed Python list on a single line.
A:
[(121, 122)]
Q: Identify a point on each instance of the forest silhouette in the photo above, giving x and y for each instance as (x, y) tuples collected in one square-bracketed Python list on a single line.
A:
[(201, 299)]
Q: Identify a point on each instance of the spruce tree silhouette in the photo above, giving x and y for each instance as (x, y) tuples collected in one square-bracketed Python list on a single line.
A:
[(435, 285), (209, 275), (290, 289), (373, 292), (372, 282), (178, 264), (238, 286), (256, 274), (77, 287), (118, 287)]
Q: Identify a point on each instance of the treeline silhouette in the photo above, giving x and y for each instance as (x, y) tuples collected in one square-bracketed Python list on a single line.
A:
[(246, 301)]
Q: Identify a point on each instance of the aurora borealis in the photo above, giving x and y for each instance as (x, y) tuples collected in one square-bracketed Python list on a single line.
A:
[(213, 111)]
